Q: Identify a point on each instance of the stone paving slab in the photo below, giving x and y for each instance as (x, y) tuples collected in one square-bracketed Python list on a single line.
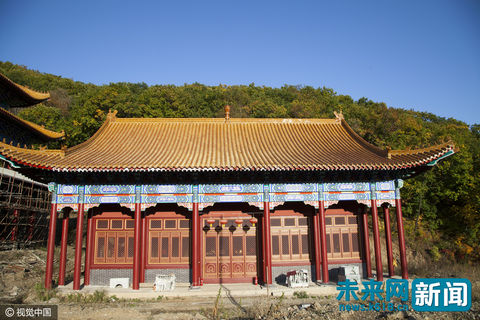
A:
[(208, 290)]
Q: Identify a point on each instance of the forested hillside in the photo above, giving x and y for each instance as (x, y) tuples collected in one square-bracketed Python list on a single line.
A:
[(442, 207)]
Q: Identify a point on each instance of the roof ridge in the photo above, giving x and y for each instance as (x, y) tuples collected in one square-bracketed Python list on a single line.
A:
[(236, 120), (373, 148), (111, 117), (449, 145)]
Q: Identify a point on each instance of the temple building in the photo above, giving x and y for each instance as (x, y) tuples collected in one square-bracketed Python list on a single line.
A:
[(223, 200), (24, 203)]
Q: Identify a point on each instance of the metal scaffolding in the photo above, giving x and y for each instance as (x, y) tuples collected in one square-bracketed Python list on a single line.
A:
[(24, 208)]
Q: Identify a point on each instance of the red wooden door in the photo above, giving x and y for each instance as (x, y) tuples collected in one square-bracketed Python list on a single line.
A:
[(230, 251)]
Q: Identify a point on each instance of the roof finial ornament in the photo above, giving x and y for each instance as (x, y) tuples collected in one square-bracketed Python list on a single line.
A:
[(112, 114), (339, 115), (227, 112), (389, 154)]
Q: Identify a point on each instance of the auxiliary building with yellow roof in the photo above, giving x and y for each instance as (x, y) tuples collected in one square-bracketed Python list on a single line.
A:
[(24, 203)]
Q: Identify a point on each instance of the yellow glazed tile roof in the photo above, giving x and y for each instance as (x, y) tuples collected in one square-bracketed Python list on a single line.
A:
[(167, 144)]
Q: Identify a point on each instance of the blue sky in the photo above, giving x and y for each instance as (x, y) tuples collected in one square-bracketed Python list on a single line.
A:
[(421, 55)]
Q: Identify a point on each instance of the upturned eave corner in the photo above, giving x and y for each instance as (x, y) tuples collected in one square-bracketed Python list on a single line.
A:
[(27, 93), (36, 129)]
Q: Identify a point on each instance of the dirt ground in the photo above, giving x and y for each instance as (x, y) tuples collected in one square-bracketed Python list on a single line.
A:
[(21, 280), (249, 308)]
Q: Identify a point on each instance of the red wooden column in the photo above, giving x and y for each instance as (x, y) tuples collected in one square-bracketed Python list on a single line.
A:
[(267, 239), (366, 241), (137, 236), (199, 251), (78, 249), (316, 239), (388, 238), (401, 238), (262, 273), (51, 243), (63, 249), (89, 249), (323, 236), (195, 246), (376, 241), (15, 227), (144, 252)]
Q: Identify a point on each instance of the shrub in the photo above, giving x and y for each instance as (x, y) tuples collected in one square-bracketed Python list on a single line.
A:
[(435, 253), (300, 295), (43, 294)]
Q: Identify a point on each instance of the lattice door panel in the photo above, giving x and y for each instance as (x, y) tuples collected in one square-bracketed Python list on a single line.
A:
[(168, 241), (113, 247), (230, 254), (343, 242), (291, 239), (113, 241)]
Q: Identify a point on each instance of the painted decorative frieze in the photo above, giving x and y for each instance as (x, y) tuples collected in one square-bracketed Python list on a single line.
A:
[(339, 196), (385, 195), (202, 206), (312, 203), (67, 189), (109, 189), (67, 199), (166, 198), (166, 189), (73, 206), (327, 204), (385, 185), (99, 199), (207, 194), (230, 188), (230, 198), (145, 206), (346, 187), (298, 187), (284, 197), (259, 204)]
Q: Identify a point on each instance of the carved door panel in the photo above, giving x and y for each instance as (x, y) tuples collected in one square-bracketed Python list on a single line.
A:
[(230, 253)]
